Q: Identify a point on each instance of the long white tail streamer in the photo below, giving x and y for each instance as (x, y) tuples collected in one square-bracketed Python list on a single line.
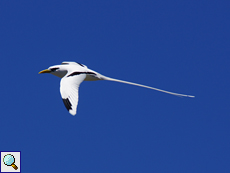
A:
[(131, 83)]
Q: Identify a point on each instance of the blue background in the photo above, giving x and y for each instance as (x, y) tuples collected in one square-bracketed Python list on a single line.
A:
[(180, 46)]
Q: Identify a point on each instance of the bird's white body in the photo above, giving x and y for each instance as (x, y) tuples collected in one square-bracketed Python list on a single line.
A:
[(72, 74)]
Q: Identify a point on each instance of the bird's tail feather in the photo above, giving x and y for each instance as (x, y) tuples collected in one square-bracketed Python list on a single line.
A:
[(131, 83)]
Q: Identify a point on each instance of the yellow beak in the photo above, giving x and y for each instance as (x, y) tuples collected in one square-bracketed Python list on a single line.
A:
[(45, 71)]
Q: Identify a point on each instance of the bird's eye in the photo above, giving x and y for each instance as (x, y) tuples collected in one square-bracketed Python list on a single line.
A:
[(53, 69)]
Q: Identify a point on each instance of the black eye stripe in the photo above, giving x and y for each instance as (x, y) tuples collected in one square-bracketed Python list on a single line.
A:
[(53, 69)]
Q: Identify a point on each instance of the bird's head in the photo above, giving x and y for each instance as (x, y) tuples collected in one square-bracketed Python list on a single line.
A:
[(57, 70)]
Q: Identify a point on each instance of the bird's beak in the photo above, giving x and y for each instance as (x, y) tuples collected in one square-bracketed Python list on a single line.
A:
[(45, 71)]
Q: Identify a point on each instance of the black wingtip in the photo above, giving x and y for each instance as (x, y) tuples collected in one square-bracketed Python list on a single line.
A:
[(67, 104)]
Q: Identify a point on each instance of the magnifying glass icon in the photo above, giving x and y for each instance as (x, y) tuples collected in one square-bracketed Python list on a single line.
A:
[(9, 160)]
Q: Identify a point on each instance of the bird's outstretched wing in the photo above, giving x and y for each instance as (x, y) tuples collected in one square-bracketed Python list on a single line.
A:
[(69, 91)]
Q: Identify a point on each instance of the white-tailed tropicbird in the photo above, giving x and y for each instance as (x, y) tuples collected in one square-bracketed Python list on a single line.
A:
[(73, 74)]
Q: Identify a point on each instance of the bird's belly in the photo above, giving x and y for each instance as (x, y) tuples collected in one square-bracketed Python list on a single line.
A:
[(91, 78)]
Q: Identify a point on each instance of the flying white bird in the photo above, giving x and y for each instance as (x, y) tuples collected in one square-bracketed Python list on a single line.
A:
[(73, 74)]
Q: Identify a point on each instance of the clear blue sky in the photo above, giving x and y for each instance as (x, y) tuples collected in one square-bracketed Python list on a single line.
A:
[(180, 46)]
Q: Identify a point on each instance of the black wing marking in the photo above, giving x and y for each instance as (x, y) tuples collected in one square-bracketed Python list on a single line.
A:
[(67, 104), (78, 73), (81, 64), (67, 63)]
